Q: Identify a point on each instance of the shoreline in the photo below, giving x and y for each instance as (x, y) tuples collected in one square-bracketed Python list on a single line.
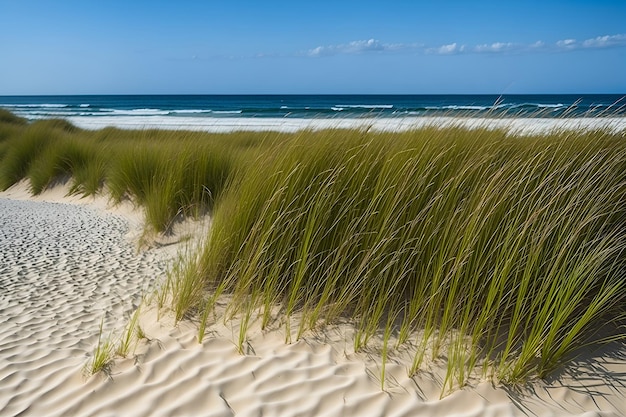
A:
[(171, 372)]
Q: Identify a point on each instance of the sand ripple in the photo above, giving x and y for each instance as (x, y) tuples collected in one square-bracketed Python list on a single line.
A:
[(64, 269)]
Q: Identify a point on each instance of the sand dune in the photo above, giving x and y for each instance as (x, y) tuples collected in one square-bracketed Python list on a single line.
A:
[(68, 264)]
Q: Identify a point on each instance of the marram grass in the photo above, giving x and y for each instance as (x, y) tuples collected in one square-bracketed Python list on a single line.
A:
[(497, 252), (493, 249), (170, 175)]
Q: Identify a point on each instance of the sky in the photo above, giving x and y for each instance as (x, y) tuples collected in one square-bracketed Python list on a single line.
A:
[(313, 47)]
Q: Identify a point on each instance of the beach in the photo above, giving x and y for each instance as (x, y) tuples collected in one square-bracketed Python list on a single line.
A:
[(70, 264), (228, 125), (313, 209)]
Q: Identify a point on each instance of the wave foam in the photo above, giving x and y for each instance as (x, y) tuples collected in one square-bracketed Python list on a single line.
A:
[(140, 112), (550, 105), (455, 107), (191, 111), (366, 106), (34, 106)]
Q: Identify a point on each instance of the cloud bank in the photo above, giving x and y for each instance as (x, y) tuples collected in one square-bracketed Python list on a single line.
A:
[(376, 46)]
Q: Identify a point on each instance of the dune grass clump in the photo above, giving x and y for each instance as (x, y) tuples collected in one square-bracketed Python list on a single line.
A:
[(69, 158), (170, 175), (22, 149), (8, 118), (10, 125), (170, 179), (506, 251)]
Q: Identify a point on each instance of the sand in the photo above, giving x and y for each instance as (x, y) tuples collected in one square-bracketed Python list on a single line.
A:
[(70, 263), (517, 125)]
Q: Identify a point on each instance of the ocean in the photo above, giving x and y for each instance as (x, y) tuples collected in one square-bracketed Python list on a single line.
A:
[(228, 112)]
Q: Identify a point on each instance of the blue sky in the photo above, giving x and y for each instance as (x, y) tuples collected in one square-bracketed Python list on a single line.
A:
[(318, 47)]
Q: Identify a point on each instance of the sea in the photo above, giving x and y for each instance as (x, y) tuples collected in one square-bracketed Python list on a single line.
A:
[(289, 112)]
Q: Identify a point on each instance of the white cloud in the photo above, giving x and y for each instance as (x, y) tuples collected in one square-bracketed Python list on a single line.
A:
[(354, 47), (495, 47), (449, 49), (317, 51), (567, 44), (599, 42), (369, 45), (605, 41)]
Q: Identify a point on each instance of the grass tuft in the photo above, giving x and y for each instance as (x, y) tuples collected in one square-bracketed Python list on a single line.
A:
[(125, 343), (102, 355), (6, 117)]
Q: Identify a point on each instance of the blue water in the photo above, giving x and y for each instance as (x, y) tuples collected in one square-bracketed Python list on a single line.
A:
[(315, 106)]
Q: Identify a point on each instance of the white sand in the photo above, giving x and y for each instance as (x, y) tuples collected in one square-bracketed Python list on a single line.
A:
[(65, 266), (231, 124)]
